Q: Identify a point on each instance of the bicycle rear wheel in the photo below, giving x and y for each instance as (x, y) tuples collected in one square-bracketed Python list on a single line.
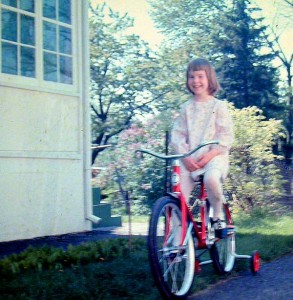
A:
[(172, 265), (222, 252)]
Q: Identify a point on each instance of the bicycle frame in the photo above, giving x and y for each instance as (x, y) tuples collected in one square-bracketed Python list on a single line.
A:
[(177, 193), (200, 232), (176, 189)]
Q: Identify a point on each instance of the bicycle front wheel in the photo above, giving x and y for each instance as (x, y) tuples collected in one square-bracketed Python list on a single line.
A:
[(172, 264), (222, 252)]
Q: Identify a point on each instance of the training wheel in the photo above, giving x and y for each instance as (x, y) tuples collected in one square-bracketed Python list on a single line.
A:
[(255, 262)]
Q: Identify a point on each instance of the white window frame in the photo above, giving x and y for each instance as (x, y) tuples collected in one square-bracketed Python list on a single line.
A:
[(38, 83)]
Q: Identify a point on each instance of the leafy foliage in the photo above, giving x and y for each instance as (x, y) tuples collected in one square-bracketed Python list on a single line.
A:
[(244, 59), (115, 272), (254, 179), (122, 75), (39, 259), (144, 178)]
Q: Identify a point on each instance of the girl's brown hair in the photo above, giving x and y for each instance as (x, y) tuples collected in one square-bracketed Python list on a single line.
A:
[(201, 64)]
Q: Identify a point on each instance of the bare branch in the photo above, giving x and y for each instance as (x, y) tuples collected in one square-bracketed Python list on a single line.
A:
[(289, 2)]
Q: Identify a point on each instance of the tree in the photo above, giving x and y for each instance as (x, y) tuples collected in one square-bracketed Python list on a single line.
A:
[(187, 27), (144, 178), (122, 75), (288, 96), (289, 2), (225, 33), (286, 60), (245, 65)]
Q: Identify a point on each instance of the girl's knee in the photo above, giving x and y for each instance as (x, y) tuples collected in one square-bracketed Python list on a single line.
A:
[(212, 179), (213, 184)]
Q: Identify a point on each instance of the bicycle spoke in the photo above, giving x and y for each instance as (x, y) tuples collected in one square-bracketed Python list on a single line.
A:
[(173, 262)]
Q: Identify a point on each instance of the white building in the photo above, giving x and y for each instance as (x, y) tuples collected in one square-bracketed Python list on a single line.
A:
[(44, 118)]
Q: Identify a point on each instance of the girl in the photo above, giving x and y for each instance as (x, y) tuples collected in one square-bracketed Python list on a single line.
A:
[(204, 118)]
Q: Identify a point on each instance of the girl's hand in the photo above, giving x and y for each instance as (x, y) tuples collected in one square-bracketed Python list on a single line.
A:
[(191, 164), (205, 158)]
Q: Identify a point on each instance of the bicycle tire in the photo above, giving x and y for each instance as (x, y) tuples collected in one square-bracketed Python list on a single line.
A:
[(171, 265), (222, 252)]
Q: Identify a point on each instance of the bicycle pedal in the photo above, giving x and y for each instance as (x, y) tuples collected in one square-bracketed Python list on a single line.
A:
[(231, 228), (221, 233)]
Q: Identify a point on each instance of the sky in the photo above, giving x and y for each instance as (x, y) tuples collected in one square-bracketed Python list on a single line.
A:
[(138, 9), (144, 26)]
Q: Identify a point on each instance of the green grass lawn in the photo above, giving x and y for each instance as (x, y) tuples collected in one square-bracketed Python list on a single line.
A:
[(271, 234), (110, 270), (135, 219)]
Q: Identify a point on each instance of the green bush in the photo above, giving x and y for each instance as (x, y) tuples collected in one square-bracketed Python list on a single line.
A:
[(50, 258), (106, 269), (254, 179)]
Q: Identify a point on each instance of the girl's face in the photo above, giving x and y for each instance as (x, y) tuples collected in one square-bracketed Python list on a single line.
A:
[(198, 83)]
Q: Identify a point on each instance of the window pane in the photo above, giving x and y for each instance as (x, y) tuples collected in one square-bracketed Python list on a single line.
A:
[(9, 25), (10, 2), (50, 67), (65, 40), (49, 9), (49, 34), (28, 65), (65, 11), (27, 30), (28, 5), (9, 58), (65, 69)]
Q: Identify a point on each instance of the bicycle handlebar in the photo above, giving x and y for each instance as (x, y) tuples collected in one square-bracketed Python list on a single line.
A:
[(176, 156)]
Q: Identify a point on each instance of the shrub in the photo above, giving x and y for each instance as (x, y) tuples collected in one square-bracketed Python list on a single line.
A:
[(51, 258), (254, 178)]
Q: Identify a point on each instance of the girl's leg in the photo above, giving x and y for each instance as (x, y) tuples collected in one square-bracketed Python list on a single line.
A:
[(187, 183), (213, 184)]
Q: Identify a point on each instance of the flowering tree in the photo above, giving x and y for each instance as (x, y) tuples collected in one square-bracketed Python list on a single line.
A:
[(143, 177)]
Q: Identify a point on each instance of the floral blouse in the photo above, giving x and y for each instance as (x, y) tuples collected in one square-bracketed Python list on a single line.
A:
[(200, 122)]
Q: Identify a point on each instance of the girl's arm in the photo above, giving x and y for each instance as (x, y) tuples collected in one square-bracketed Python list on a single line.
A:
[(224, 134), (179, 134), (224, 128), (179, 140)]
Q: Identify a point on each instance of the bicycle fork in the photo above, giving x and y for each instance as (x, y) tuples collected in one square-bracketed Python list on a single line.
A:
[(176, 189)]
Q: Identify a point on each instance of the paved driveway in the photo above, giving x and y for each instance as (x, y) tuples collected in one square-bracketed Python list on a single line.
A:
[(273, 282)]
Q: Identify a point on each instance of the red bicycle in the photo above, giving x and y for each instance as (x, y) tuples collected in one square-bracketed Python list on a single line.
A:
[(179, 235)]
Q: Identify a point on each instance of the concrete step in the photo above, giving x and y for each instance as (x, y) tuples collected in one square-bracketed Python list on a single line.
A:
[(102, 210), (96, 196), (114, 220)]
